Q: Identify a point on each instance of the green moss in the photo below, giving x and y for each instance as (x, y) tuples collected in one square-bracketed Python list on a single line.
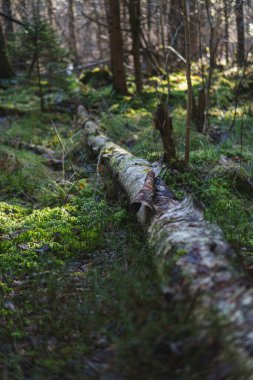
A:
[(22, 173), (39, 239)]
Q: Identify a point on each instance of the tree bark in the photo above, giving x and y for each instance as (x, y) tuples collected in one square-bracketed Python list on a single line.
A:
[(189, 83), (212, 55), (176, 22), (6, 71), (190, 253), (226, 36), (72, 32), (240, 32), (8, 25), (116, 47), (134, 15), (50, 9), (163, 123)]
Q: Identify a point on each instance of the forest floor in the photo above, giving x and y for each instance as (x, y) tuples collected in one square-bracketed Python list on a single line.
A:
[(80, 297)]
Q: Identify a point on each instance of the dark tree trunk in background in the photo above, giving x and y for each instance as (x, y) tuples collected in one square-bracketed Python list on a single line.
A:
[(213, 45), (240, 32), (6, 71), (72, 32), (51, 12), (135, 13), (176, 23), (189, 82), (8, 25), (193, 20), (226, 36), (116, 46)]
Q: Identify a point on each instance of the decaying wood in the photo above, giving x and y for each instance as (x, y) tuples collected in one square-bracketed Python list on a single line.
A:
[(163, 123), (38, 149), (198, 109), (188, 250)]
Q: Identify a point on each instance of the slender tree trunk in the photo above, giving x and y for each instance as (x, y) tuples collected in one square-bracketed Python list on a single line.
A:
[(193, 28), (240, 32), (175, 20), (135, 13), (211, 65), (72, 31), (51, 13), (149, 19), (41, 95), (189, 83), (98, 30), (116, 46), (226, 36), (6, 71), (8, 24)]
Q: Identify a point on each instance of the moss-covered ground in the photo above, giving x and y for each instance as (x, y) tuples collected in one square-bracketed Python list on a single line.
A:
[(79, 295)]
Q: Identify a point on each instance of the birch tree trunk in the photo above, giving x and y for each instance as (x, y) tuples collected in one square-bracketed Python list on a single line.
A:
[(188, 250)]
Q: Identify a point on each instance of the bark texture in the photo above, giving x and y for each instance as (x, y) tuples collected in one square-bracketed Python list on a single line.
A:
[(240, 32), (163, 123), (6, 6), (72, 31), (5, 66), (188, 250), (116, 46), (134, 15)]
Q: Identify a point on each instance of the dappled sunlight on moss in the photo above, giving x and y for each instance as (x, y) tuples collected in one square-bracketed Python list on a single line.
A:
[(42, 238)]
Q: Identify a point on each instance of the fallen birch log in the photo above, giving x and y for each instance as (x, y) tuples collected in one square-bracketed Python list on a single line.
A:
[(183, 241)]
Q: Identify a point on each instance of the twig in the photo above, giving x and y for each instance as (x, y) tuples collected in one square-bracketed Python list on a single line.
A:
[(65, 153)]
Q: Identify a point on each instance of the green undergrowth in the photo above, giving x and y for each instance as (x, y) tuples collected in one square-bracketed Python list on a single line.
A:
[(22, 95), (224, 192), (36, 127), (33, 240), (22, 174)]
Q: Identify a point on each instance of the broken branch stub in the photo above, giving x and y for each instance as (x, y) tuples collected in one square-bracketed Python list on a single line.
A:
[(186, 244), (163, 123)]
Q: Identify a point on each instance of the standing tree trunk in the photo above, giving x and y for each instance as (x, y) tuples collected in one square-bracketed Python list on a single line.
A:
[(8, 25), (72, 32), (163, 123), (135, 13), (226, 36), (212, 54), (116, 47), (6, 71), (193, 28), (176, 22), (240, 32), (189, 83), (50, 7)]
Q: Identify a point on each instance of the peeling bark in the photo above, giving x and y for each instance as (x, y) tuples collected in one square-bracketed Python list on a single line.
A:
[(163, 123), (187, 248)]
